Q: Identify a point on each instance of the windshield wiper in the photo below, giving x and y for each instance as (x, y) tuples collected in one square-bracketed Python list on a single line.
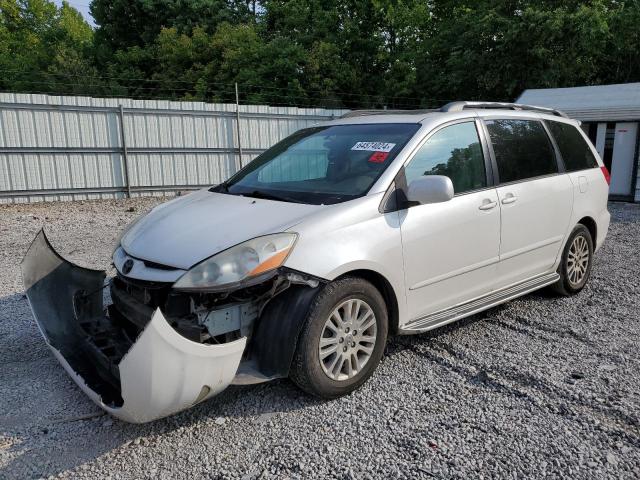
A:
[(269, 196)]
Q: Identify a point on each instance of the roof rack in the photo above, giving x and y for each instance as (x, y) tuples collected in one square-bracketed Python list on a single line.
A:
[(459, 106), (362, 113)]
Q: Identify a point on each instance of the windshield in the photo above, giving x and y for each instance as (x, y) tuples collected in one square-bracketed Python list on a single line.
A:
[(322, 165)]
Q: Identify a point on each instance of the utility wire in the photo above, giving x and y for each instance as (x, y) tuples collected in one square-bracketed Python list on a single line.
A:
[(162, 89), (207, 82), (135, 96), (200, 82), (220, 96)]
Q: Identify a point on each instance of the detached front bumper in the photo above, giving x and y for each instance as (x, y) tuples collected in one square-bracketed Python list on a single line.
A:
[(135, 379)]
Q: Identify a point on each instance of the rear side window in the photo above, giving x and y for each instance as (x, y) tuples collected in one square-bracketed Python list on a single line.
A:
[(455, 152), (575, 151), (522, 149)]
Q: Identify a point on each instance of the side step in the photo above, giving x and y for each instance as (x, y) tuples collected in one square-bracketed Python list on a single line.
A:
[(449, 315)]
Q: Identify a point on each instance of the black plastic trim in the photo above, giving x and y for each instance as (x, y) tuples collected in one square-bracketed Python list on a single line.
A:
[(556, 150), (275, 336)]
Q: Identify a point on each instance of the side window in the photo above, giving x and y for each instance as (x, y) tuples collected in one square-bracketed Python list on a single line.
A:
[(575, 152), (522, 149), (454, 151)]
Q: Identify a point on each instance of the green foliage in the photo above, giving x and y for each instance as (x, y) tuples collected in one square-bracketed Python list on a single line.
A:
[(497, 49), (128, 23), (366, 54), (44, 48)]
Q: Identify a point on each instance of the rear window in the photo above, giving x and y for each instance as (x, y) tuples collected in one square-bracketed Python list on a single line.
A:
[(575, 151), (522, 149)]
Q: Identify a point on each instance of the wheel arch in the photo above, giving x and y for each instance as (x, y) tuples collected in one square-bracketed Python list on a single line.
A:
[(385, 288), (591, 225), (276, 334)]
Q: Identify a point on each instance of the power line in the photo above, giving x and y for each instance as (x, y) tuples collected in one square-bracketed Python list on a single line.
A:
[(137, 96), (280, 100), (231, 86)]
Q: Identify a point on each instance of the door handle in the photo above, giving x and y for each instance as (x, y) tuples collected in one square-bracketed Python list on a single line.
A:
[(509, 198), (487, 204)]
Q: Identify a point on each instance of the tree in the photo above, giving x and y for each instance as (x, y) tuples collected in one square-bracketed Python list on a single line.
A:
[(619, 57), (495, 49), (342, 38), (394, 53), (136, 23), (204, 66), (44, 48)]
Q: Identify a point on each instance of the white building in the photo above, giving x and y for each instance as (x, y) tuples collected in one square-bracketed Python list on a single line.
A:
[(610, 115)]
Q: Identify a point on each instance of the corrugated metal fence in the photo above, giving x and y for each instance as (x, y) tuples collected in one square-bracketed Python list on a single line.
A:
[(72, 148)]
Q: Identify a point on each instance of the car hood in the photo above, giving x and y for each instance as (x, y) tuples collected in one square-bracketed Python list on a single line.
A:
[(187, 230)]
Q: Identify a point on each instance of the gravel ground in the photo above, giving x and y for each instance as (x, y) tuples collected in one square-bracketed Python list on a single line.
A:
[(542, 386)]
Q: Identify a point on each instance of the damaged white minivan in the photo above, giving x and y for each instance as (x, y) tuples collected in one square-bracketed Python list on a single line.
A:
[(305, 261)]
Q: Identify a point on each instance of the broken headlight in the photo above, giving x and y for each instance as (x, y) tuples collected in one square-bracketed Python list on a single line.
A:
[(252, 258)]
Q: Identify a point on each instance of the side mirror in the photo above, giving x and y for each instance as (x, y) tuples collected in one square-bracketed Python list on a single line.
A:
[(430, 189)]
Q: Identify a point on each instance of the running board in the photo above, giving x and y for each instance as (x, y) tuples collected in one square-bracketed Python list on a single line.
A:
[(449, 315)]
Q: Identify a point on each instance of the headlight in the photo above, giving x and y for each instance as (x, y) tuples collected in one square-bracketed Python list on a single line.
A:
[(244, 261)]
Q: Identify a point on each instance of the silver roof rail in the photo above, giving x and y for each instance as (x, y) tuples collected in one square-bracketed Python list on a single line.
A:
[(459, 106), (361, 113)]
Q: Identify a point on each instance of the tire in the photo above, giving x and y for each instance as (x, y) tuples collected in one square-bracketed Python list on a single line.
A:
[(571, 282), (315, 375)]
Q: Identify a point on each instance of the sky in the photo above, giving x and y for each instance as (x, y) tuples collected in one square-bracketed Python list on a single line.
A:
[(82, 6)]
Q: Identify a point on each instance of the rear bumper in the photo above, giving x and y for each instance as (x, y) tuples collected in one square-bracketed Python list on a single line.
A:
[(137, 380), (602, 228)]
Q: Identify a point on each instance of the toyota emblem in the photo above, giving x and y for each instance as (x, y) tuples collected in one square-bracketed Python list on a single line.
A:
[(128, 265)]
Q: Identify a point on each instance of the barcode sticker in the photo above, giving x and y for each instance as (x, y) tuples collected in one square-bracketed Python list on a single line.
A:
[(374, 146)]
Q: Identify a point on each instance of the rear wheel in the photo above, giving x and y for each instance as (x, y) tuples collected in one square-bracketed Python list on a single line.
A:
[(343, 339), (575, 265)]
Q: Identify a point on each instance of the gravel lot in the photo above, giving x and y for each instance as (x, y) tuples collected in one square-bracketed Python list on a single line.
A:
[(542, 386)]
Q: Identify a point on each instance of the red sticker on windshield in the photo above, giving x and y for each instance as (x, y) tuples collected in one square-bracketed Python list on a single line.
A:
[(378, 157)]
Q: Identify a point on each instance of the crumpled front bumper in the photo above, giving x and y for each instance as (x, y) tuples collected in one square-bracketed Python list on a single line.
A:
[(160, 373)]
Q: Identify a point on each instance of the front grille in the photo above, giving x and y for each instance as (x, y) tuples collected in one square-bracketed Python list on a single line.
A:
[(157, 266), (150, 264), (134, 302), (152, 294)]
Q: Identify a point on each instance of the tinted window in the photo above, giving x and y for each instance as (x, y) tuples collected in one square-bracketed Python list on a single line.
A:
[(322, 165), (454, 151), (522, 149), (575, 152)]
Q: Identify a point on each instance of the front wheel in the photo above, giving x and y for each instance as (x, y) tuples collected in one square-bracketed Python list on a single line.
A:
[(576, 262), (343, 339)]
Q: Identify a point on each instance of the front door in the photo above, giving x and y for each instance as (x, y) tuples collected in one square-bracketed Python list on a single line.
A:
[(450, 249)]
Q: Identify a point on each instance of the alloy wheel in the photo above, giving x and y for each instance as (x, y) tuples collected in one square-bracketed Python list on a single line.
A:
[(578, 260), (348, 339)]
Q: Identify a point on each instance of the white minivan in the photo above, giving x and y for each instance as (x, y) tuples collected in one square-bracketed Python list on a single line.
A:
[(305, 261)]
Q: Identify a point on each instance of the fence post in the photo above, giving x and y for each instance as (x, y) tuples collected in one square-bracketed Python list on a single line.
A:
[(239, 165), (125, 159)]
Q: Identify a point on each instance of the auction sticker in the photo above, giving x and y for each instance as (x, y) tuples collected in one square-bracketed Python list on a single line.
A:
[(374, 146), (378, 157)]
